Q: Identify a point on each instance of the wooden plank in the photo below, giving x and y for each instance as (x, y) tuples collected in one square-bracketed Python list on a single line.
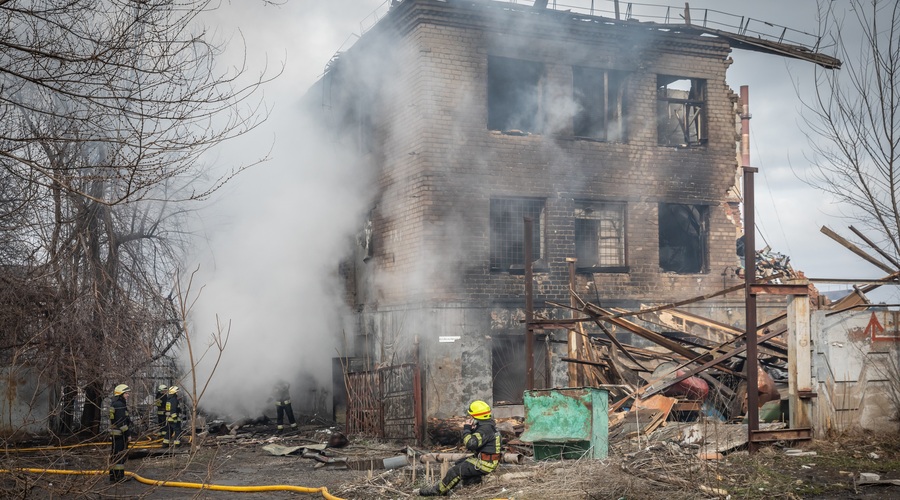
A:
[(659, 403), (799, 361), (687, 406), (706, 322), (649, 335), (773, 435), (855, 249), (875, 247)]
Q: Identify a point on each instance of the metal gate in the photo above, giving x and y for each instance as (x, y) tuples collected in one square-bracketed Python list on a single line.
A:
[(385, 403)]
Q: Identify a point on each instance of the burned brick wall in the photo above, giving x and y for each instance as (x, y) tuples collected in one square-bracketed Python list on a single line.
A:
[(478, 118)]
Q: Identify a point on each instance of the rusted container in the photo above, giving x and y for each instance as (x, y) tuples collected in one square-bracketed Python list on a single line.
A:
[(569, 422)]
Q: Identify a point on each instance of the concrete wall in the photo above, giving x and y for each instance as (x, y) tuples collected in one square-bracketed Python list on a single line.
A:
[(25, 403), (857, 371)]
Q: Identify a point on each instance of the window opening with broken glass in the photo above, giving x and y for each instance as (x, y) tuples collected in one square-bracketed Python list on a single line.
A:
[(514, 90), (681, 111), (508, 232), (600, 236), (599, 96), (683, 236)]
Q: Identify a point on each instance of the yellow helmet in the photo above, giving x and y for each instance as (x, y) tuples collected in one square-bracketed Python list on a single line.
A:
[(480, 410), (173, 389), (121, 389)]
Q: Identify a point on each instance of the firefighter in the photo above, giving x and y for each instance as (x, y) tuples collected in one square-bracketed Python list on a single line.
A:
[(173, 418), (160, 403), (480, 436), (282, 393), (119, 422)]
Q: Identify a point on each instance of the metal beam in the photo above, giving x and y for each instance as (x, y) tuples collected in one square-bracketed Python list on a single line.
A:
[(786, 289)]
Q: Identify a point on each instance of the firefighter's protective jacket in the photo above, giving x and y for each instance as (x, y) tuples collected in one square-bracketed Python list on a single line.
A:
[(172, 408), (119, 421), (484, 441), (282, 394), (160, 402)]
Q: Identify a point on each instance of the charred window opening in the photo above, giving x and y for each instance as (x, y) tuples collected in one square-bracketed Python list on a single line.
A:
[(358, 123), (599, 96), (508, 366), (681, 111), (683, 235), (600, 236), (514, 95), (508, 232)]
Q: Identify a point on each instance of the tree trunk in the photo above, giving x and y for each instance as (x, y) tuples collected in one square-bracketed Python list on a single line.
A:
[(67, 413), (90, 415)]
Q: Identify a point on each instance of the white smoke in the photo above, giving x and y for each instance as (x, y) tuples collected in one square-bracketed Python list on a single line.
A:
[(271, 242)]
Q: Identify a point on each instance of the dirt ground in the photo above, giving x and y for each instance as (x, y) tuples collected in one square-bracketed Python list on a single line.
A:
[(636, 469)]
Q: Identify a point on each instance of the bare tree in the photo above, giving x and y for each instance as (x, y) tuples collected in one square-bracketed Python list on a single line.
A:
[(217, 340), (135, 84), (106, 110), (853, 120)]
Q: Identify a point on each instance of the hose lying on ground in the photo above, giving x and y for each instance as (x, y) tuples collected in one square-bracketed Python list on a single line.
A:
[(179, 484), (153, 443)]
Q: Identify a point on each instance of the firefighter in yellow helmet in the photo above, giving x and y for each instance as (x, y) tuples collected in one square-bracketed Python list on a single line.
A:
[(480, 436), (173, 418), (162, 391), (119, 423)]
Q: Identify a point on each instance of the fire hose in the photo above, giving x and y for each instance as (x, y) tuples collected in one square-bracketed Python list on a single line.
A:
[(179, 484), (139, 445)]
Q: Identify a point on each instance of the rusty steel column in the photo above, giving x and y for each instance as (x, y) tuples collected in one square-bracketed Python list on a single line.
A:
[(418, 395), (752, 364), (529, 307), (574, 344)]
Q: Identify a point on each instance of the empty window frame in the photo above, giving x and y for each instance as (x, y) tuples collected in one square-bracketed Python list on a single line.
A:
[(514, 94), (599, 95), (600, 236), (681, 111), (508, 367), (508, 232), (683, 237)]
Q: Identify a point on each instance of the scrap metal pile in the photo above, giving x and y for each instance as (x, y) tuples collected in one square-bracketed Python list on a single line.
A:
[(688, 366)]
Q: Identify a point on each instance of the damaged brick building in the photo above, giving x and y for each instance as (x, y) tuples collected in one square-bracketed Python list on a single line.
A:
[(616, 138)]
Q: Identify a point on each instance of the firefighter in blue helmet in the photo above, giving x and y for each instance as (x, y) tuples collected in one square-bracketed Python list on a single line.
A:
[(480, 436), (119, 423)]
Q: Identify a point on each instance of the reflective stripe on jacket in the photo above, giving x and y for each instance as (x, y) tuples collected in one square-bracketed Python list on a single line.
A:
[(483, 439), (118, 416), (160, 402), (172, 408)]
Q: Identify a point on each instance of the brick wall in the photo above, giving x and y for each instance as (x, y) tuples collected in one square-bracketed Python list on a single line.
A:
[(440, 165), (423, 69)]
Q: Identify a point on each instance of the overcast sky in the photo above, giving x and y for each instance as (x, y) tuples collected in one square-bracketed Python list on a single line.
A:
[(275, 230), (305, 34)]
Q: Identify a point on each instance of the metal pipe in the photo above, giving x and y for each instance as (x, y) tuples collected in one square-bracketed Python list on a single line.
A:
[(751, 366), (529, 307), (507, 458), (574, 344), (418, 394)]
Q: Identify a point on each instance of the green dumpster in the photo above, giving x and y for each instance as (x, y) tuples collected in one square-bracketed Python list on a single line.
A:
[(569, 422)]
